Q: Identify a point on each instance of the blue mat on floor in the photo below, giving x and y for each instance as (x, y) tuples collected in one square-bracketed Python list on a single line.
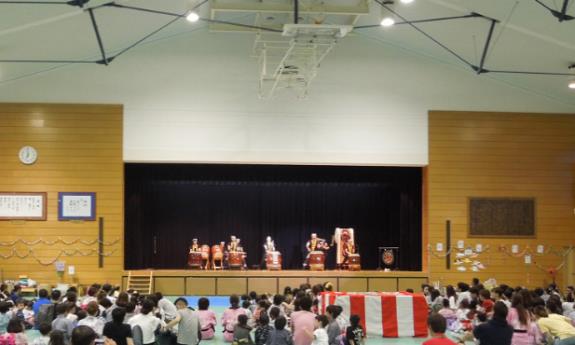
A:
[(215, 301)]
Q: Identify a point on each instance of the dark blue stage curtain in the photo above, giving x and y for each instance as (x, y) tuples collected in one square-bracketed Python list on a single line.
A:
[(169, 204)]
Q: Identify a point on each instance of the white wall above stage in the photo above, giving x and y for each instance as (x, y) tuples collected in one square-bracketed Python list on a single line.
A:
[(193, 98)]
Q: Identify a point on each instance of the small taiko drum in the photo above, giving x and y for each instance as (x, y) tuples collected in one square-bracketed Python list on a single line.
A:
[(195, 259), (316, 261), (354, 262), (274, 261), (217, 254), (205, 250), (236, 259)]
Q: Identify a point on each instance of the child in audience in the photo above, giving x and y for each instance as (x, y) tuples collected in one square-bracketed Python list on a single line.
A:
[(44, 338), (333, 330), (14, 334), (242, 331), (354, 334), (207, 319), (4, 316), (263, 330), (486, 302), (437, 327), (230, 318), (319, 335), (525, 331), (279, 335), (274, 314), (246, 308)]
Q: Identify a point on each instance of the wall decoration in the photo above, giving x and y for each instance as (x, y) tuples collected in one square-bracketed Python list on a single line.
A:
[(76, 206), (23, 206), (501, 217)]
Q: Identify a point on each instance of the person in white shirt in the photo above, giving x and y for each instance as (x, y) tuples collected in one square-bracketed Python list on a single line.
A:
[(463, 292), (147, 322), (93, 320), (167, 309), (319, 335)]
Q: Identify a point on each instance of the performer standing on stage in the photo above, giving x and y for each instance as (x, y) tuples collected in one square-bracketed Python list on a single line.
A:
[(347, 248), (195, 247), (314, 244), (244, 254), (270, 245)]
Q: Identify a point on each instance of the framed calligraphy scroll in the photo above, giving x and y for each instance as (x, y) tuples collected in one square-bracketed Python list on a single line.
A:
[(23, 206)]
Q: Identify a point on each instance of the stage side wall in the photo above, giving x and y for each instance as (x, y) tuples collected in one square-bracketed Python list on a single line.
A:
[(501, 155), (79, 150)]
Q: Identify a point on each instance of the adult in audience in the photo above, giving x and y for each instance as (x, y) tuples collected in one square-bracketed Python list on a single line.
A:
[(437, 326), (167, 309), (148, 323), (84, 335), (555, 326), (303, 322), (57, 338), (495, 331), (230, 318), (188, 321), (62, 322), (333, 330), (42, 299), (207, 319), (93, 320), (117, 330)]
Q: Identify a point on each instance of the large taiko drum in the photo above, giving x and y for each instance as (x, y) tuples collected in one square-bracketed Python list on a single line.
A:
[(316, 261), (354, 262), (274, 261), (205, 250), (217, 253), (236, 260), (195, 260)]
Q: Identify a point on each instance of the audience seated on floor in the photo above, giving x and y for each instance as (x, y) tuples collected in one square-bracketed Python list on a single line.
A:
[(465, 313)]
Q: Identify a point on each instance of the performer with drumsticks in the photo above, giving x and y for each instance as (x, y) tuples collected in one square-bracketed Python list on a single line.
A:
[(315, 245), (195, 247), (272, 258), (195, 255)]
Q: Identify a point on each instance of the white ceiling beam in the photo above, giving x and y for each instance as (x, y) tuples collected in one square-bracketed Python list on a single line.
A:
[(360, 9)]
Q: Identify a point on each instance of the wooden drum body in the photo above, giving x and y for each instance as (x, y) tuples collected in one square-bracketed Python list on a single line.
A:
[(236, 260), (205, 250), (195, 260), (274, 261), (354, 262), (217, 256), (316, 261)]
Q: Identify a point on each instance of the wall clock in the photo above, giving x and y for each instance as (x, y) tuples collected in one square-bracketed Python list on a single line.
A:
[(28, 155)]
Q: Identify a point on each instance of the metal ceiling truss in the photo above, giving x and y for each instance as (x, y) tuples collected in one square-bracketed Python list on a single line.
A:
[(479, 69), (560, 15), (107, 59)]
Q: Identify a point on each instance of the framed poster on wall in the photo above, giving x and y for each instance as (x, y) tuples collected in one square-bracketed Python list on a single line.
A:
[(76, 206), (23, 206)]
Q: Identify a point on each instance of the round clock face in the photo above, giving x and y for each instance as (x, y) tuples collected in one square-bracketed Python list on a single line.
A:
[(28, 155)]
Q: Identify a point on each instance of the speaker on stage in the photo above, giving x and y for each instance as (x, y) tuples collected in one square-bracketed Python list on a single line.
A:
[(389, 258)]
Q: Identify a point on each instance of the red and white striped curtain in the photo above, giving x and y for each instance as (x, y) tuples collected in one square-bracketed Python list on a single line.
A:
[(397, 314)]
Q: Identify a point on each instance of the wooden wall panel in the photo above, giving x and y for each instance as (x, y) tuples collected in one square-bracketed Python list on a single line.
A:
[(501, 155), (79, 150)]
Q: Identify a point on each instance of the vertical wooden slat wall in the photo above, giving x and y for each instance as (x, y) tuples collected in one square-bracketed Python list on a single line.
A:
[(79, 150), (500, 155)]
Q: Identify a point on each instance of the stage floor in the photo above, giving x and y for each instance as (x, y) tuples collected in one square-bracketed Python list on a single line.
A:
[(228, 282)]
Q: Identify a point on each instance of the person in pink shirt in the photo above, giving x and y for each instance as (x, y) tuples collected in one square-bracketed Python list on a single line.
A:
[(525, 331), (207, 319), (230, 318), (303, 322)]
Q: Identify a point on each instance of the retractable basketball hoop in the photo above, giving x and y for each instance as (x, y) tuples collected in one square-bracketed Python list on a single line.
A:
[(291, 61)]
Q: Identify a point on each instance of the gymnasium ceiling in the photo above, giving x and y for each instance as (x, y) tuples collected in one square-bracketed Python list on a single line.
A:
[(526, 38)]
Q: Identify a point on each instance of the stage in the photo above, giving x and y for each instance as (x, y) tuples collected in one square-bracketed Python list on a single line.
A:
[(227, 282)]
